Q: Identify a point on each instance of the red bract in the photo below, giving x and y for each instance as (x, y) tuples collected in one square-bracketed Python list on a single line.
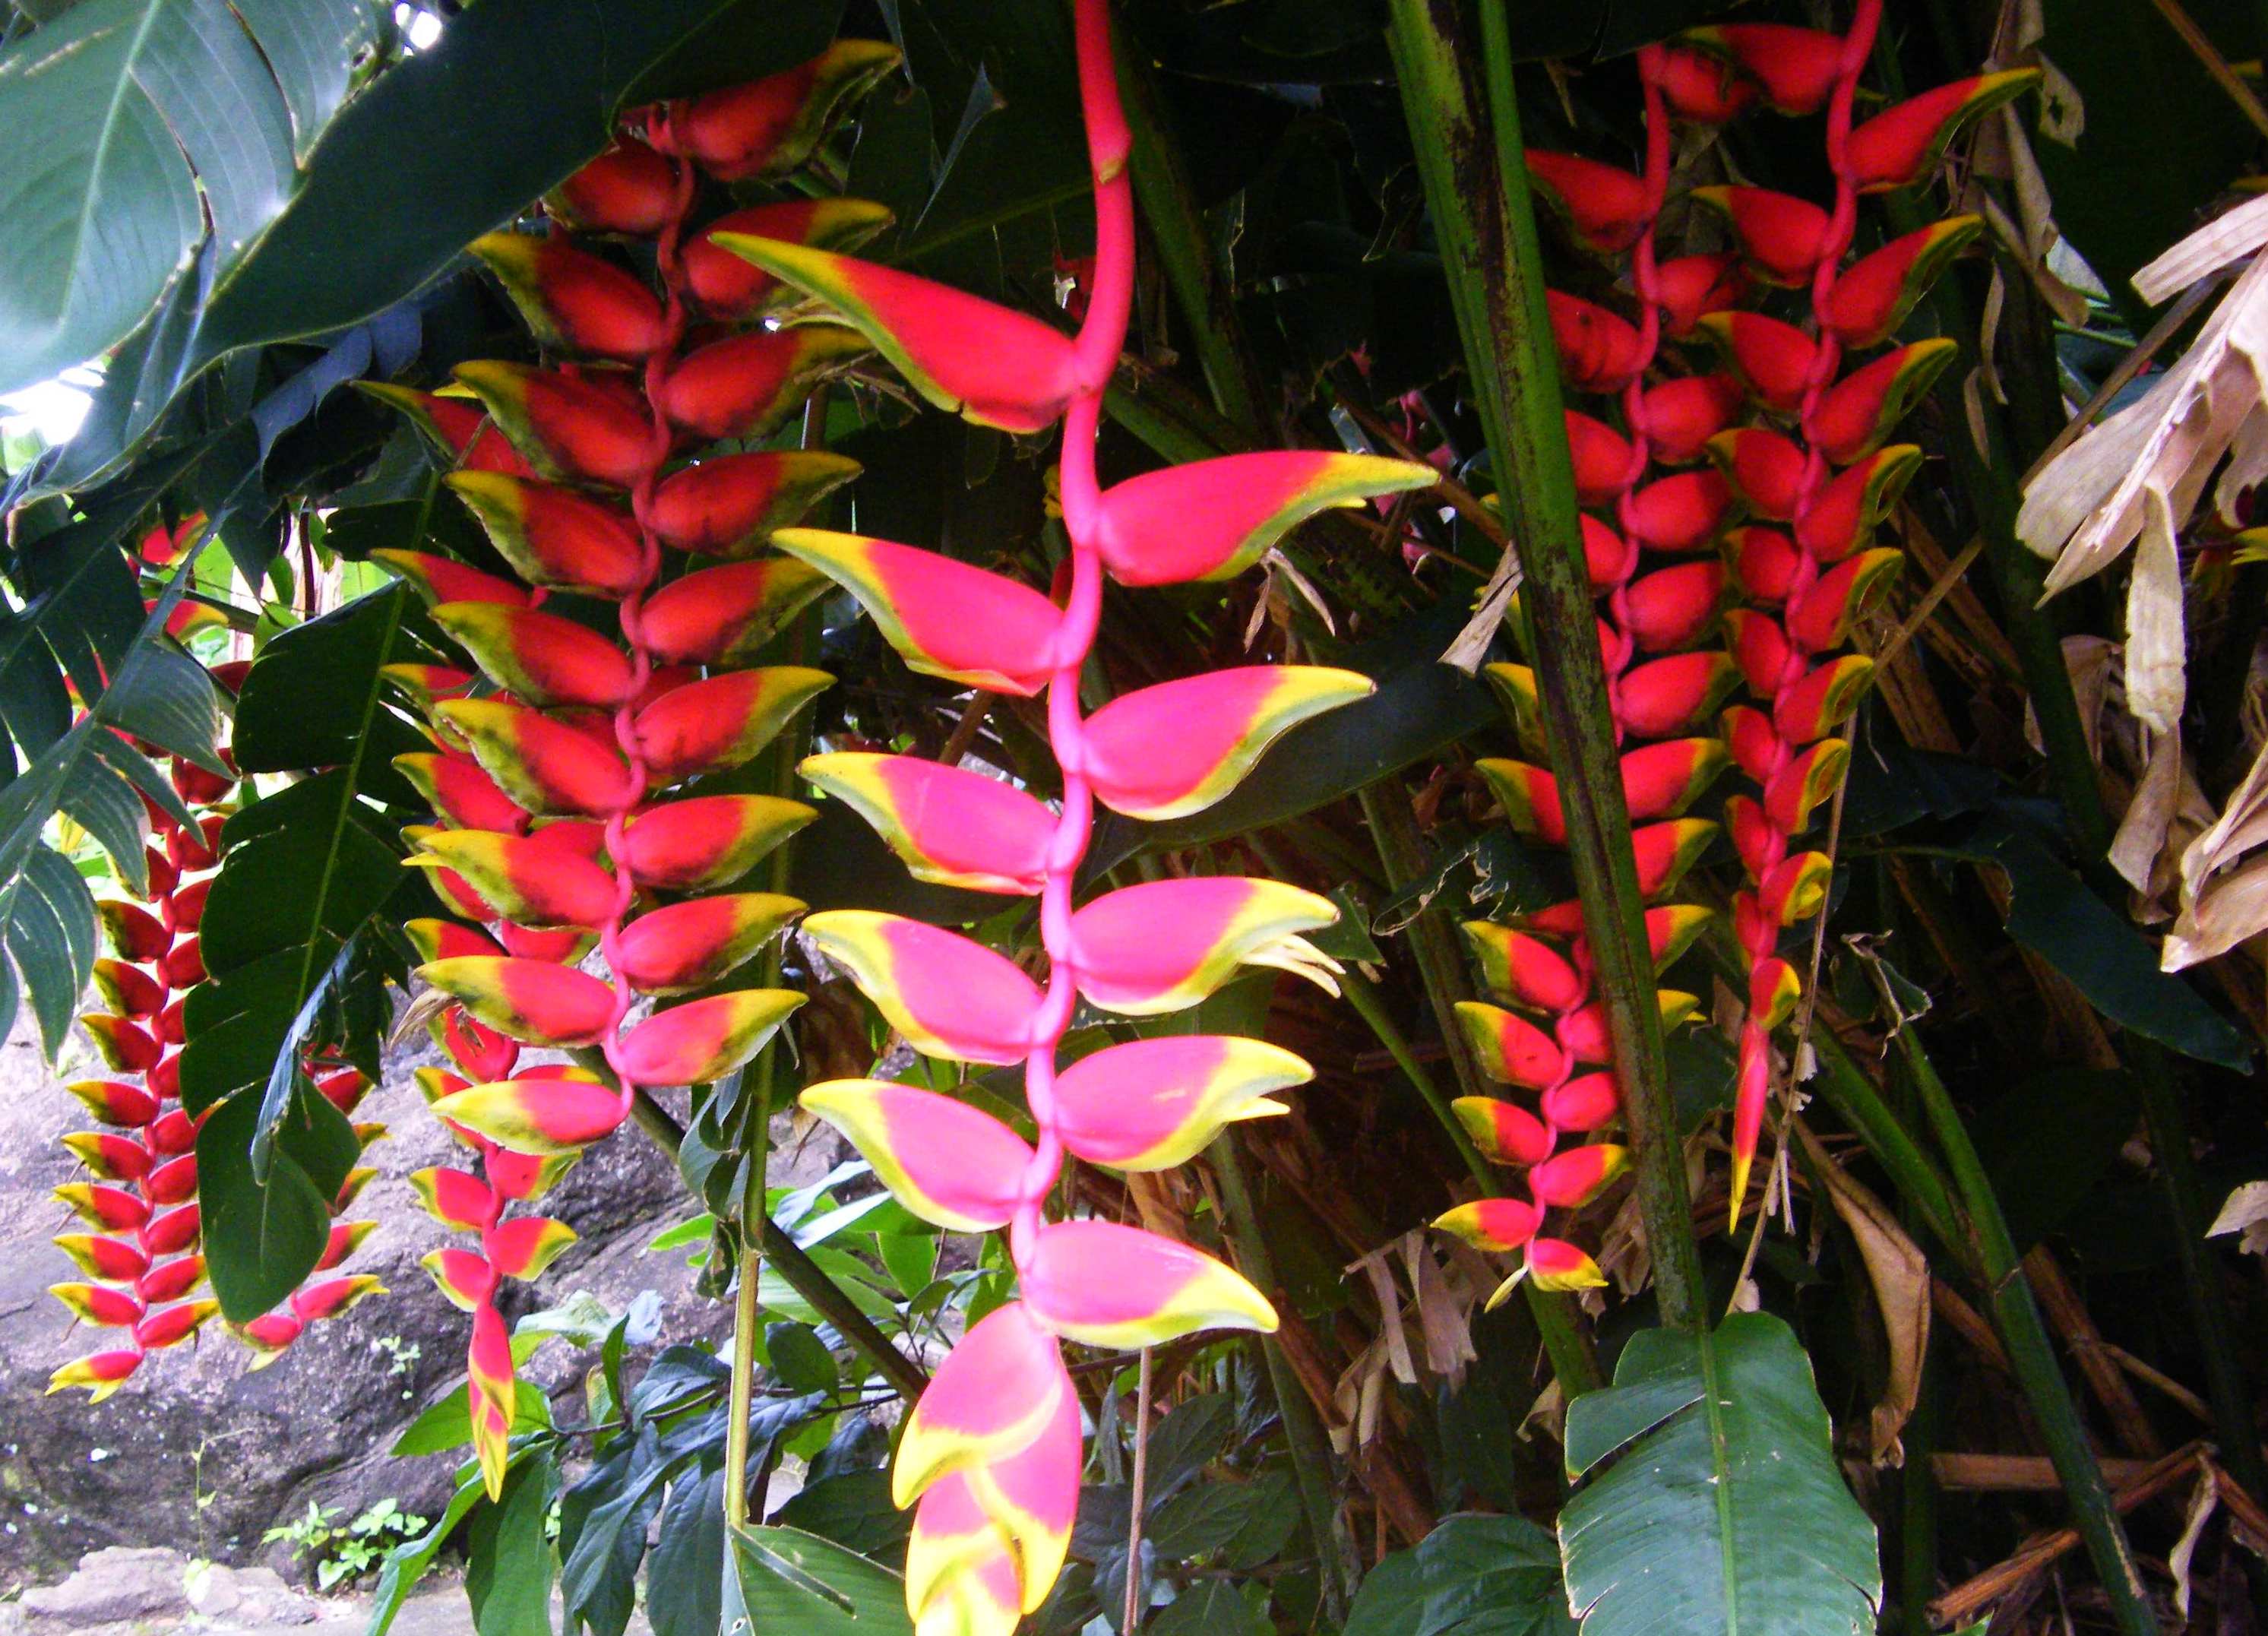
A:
[(1814, 570), (141, 1273), (555, 790)]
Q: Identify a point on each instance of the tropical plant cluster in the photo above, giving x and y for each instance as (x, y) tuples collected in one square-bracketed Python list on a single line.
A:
[(1403, 723)]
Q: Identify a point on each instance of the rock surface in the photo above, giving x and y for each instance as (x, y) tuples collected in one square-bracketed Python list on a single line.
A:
[(169, 1594), (202, 1455)]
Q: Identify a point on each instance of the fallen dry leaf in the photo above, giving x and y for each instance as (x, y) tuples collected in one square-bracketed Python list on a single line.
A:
[(1899, 1273)]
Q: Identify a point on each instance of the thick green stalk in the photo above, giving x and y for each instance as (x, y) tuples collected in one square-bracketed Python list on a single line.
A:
[(1574, 1363), (1177, 237), (744, 1308), (1303, 1433), (1844, 1086), (2024, 1336), (1467, 139)]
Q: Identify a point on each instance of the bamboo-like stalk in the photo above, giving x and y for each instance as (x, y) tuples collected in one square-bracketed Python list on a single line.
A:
[(2031, 1354), (1177, 237), (1466, 133), (757, 1112)]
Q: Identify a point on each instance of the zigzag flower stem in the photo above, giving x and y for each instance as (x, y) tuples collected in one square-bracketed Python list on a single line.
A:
[(1545, 963), (141, 1261), (558, 826), (1828, 485), (993, 1452), (1802, 512)]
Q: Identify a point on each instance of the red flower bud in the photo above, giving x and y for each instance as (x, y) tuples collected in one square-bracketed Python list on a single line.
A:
[(1897, 147), (1680, 417), (1603, 206), (1690, 287), (1794, 67), (1601, 459), (1781, 236), (770, 126), (1872, 296), (629, 188), (572, 300), (1701, 86), (1598, 352)]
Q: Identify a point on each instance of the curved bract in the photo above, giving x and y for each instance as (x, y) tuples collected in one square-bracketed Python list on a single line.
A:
[(1801, 471), (991, 1454), (142, 1270), (564, 822)]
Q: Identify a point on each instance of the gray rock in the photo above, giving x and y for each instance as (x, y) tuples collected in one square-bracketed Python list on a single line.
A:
[(115, 1584), (200, 1453)]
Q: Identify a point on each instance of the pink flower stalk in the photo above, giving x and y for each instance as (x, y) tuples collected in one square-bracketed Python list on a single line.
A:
[(991, 1454)]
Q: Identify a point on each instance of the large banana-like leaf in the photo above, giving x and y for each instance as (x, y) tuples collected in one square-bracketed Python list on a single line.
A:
[(792, 1580), (291, 962), (1714, 1505), (151, 114), (325, 208)]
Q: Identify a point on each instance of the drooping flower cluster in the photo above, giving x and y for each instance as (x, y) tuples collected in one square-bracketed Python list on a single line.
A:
[(993, 1452), (558, 770), (141, 1258), (1790, 501)]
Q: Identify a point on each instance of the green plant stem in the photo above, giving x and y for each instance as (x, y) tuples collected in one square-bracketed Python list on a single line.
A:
[(2227, 1391), (1845, 1087), (1303, 1432), (799, 1271), (746, 1310), (1468, 143), (2024, 1336), (1401, 849), (1362, 996), (1177, 237)]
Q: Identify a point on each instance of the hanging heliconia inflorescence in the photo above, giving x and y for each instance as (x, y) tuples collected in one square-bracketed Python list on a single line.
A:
[(1780, 521), (561, 822), (993, 1452), (141, 1259)]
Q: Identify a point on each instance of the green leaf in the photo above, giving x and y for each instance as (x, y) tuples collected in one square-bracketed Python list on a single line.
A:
[(406, 1564), (151, 115), (263, 1237), (92, 776), (508, 1564), (448, 1423), (799, 1358), (854, 1510), (2053, 913), (792, 1580), (2049, 1142), (1473, 1575), (685, 1578), (535, 85), (1722, 1508), (1211, 1608), (304, 870)]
